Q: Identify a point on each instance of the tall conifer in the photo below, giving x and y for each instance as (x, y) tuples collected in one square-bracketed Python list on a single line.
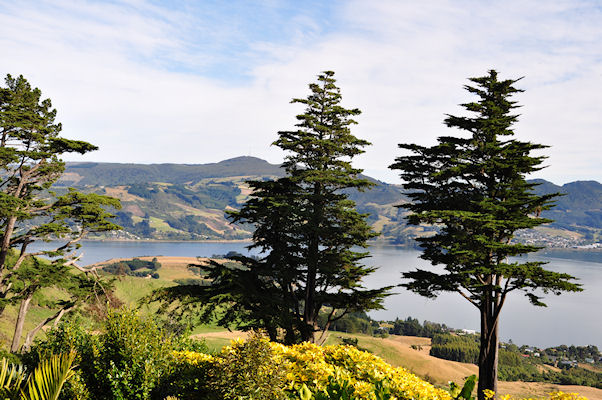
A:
[(306, 229), (474, 190), (327, 226), (30, 151)]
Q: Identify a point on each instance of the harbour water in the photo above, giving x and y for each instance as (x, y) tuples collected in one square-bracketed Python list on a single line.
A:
[(572, 318)]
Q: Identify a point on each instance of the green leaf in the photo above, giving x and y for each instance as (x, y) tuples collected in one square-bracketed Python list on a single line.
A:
[(47, 380)]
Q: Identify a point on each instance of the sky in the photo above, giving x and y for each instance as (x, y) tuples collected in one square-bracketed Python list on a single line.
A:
[(202, 81)]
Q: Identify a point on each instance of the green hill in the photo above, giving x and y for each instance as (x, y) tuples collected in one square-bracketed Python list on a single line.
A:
[(184, 202), (580, 207), (110, 174)]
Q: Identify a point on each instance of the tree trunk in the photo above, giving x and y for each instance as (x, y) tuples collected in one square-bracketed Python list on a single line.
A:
[(307, 333), (311, 311), (272, 331), (289, 335), (5, 245), (56, 317), (488, 355), (20, 322), (60, 315), (308, 330), (4, 249)]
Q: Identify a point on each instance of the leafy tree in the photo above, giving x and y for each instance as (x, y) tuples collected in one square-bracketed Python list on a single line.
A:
[(474, 190), (30, 147), (306, 228)]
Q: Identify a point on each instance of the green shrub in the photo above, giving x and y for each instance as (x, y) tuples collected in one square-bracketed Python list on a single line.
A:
[(455, 348), (127, 361), (249, 371), (133, 355), (69, 335), (185, 382), (350, 341)]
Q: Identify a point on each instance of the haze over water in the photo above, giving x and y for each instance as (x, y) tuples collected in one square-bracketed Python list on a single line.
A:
[(572, 318)]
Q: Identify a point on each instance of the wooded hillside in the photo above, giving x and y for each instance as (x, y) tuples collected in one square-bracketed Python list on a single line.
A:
[(183, 201)]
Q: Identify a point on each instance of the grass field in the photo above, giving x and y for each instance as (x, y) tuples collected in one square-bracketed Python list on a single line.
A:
[(397, 350)]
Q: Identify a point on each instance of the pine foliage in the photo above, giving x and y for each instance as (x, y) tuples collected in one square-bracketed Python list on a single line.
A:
[(306, 229), (473, 189), (30, 151)]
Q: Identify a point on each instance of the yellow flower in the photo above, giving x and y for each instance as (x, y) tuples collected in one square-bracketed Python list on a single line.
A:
[(193, 358), (566, 396), (310, 366)]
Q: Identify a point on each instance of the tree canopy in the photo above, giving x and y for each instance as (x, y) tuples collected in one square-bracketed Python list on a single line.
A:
[(306, 229), (30, 150), (473, 189)]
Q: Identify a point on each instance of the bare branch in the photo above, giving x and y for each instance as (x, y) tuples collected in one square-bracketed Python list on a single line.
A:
[(31, 334), (468, 298)]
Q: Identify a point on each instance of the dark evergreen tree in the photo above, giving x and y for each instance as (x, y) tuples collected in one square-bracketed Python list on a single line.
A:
[(30, 150), (306, 229), (474, 190), (325, 224)]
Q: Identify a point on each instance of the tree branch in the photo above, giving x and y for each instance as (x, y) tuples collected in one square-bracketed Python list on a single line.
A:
[(31, 334), (468, 298)]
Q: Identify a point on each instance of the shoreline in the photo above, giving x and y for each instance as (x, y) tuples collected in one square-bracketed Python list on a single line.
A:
[(370, 243), (168, 241)]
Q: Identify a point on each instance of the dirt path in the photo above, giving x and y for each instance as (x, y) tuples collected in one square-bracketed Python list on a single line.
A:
[(222, 335)]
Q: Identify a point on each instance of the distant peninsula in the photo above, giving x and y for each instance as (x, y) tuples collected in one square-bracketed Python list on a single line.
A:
[(188, 202)]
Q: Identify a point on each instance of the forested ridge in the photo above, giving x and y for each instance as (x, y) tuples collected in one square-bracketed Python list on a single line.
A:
[(187, 201)]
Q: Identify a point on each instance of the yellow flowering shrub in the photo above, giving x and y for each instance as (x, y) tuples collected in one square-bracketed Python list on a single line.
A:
[(310, 366), (193, 358), (566, 396), (552, 396)]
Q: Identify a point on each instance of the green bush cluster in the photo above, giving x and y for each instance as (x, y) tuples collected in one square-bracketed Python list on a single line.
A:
[(456, 348), (513, 366), (527, 372), (134, 267), (357, 322), (575, 376), (249, 371), (579, 353), (412, 327), (130, 359)]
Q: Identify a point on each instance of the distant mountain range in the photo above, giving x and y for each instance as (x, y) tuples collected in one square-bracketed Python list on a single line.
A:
[(183, 201)]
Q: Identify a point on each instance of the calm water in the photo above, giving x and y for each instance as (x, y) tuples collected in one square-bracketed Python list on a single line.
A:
[(572, 318), (568, 319)]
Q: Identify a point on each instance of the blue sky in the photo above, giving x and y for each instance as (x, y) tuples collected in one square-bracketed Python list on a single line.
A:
[(202, 81), (225, 39)]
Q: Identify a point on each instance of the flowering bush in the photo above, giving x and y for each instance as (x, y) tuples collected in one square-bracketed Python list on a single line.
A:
[(312, 371), (311, 365), (489, 394)]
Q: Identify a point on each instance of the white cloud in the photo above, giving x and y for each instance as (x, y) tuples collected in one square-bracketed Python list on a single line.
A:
[(120, 75)]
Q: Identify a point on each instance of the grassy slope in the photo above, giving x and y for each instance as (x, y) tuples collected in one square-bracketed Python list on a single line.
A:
[(398, 352), (395, 349), (128, 289)]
